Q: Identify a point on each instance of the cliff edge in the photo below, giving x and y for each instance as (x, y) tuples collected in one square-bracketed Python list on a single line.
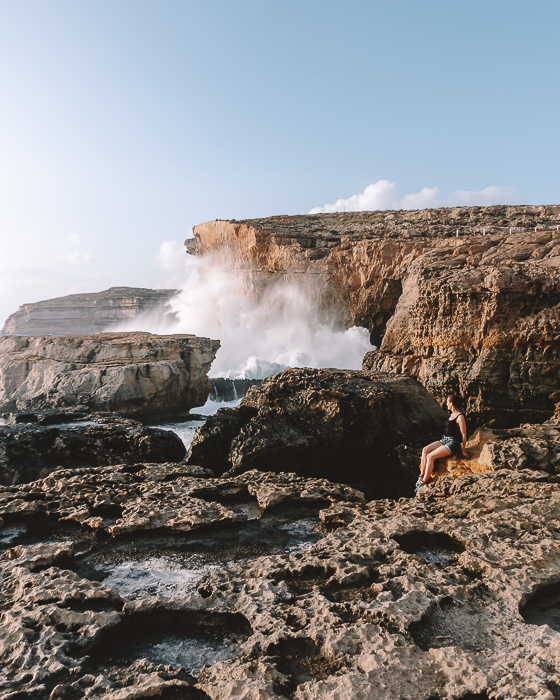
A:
[(84, 314), (465, 299)]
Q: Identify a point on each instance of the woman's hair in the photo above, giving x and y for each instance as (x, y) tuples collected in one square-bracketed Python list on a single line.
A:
[(456, 400)]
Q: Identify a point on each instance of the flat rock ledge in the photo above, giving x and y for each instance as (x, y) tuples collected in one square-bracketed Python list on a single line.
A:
[(529, 446), (452, 594), (130, 373)]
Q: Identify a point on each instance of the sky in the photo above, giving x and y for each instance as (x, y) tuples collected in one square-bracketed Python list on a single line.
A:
[(123, 123)]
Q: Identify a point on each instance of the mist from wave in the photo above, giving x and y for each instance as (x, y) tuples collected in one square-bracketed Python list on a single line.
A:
[(259, 337)]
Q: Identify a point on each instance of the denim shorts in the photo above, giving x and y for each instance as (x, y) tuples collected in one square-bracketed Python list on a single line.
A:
[(451, 443)]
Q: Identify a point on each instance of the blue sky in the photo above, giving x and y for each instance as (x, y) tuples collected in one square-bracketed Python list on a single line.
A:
[(123, 123)]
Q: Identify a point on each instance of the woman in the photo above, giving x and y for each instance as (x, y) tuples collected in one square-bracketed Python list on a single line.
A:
[(454, 440)]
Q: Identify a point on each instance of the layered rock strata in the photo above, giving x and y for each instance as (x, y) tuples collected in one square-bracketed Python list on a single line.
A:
[(131, 373), (85, 314), (345, 425), (466, 299), (453, 594)]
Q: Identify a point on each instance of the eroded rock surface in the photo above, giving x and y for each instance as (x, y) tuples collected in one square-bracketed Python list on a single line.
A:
[(452, 594), (89, 313), (530, 446), (341, 424), (476, 314), (28, 452), (131, 373)]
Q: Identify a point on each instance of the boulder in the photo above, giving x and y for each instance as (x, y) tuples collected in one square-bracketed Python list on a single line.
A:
[(339, 424), (29, 452), (130, 373)]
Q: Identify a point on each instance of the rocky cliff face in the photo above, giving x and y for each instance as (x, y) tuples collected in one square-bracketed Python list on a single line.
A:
[(131, 373), (87, 313), (463, 299)]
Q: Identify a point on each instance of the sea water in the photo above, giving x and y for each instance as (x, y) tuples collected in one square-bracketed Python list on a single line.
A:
[(186, 429)]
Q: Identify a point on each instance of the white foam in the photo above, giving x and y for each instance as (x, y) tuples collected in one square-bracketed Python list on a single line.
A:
[(154, 576), (207, 647), (259, 337), (303, 534)]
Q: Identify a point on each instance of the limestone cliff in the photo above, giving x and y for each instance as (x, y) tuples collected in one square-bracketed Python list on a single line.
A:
[(463, 299), (132, 373), (87, 313)]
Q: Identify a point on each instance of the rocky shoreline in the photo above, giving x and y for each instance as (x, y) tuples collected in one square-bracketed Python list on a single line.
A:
[(286, 555)]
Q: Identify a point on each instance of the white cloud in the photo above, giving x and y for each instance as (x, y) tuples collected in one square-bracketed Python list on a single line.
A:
[(384, 194), (73, 238), (379, 195), (489, 195)]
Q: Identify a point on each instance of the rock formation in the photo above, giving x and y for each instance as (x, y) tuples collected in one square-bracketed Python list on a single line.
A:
[(341, 424), (28, 452), (131, 373), (477, 313), (147, 581), (525, 447), (85, 314)]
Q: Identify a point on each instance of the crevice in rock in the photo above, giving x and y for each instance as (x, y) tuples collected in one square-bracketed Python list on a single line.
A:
[(92, 604), (543, 607), (34, 529), (160, 562), (307, 578), (433, 547), (183, 639), (301, 660), (237, 498), (460, 623)]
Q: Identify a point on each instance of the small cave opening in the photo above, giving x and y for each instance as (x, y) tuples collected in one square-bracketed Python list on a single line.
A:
[(184, 639), (543, 607), (435, 548)]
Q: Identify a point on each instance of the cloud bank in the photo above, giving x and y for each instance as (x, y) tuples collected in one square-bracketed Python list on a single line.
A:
[(384, 194)]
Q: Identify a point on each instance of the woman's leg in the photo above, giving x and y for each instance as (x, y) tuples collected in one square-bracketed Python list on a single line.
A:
[(439, 452), (425, 452)]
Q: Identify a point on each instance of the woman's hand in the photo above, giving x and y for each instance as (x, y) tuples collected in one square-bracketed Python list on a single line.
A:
[(465, 453)]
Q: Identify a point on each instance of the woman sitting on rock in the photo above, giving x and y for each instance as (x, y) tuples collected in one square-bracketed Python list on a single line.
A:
[(453, 441)]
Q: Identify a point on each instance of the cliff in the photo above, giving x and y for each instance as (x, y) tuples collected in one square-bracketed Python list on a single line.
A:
[(463, 299), (131, 373), (87, 313)]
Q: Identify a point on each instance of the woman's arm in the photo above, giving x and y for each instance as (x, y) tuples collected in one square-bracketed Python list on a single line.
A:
[(463, 426)]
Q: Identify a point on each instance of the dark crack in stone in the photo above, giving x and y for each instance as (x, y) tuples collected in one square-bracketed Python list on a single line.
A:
[(177, 638), (433, 547), (455, 623), (543, 607)]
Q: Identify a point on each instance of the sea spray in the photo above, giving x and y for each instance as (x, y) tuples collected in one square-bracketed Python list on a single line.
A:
[(259, 336)]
